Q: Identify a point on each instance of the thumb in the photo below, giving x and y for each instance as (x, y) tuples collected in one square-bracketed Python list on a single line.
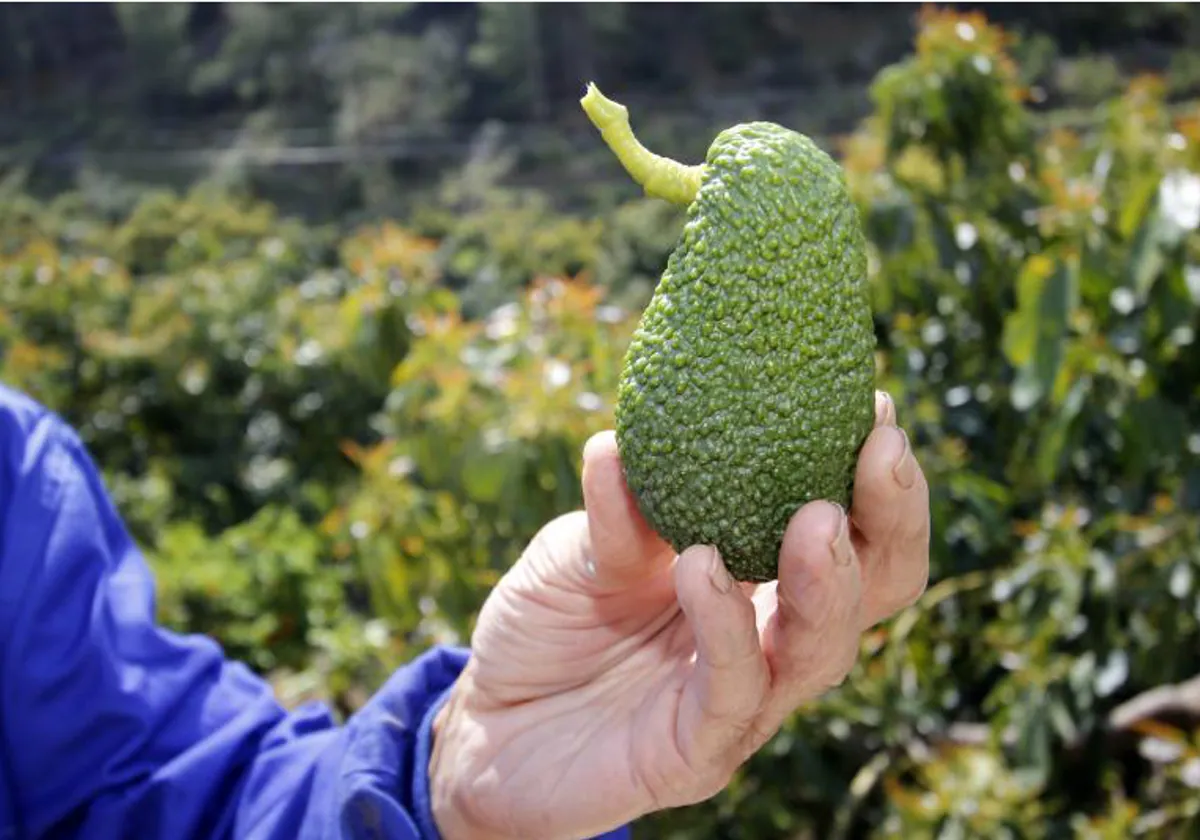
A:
[(625, 550)]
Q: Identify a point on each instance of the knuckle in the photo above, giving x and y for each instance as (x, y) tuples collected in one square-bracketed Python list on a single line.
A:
[(814, 676), (675, 785), (848, 666), (850, 658), (707, 777), (832, 680), (681, 794), (914, 588), (756, 738), (918, 588), (834, 672), (714, 781)]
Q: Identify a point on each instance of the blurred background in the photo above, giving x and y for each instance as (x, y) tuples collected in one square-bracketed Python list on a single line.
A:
[(336, 292)]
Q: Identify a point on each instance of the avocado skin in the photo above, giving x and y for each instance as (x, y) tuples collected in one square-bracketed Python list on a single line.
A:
[(748, 387)]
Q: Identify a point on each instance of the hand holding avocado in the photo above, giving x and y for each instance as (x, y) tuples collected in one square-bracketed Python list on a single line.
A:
[(643, 648), (610, 677)]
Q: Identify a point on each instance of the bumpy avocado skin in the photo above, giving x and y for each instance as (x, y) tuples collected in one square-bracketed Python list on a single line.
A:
[(748, 388)]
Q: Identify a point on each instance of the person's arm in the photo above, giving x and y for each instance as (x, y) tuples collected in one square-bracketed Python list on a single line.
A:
[(112, 727)]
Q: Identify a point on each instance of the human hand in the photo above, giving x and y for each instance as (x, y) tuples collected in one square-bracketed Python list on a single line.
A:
[(609, 678)]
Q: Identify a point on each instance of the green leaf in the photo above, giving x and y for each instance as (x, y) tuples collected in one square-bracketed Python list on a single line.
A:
[(1032, 749), (1053, 437), (1035, 332), (1137, 205), (1146, 259), (1020, 328)]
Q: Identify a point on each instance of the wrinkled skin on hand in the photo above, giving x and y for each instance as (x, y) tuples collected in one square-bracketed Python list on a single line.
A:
[(610, 678)]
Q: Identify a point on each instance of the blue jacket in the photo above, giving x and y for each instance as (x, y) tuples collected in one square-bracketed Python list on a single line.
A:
[(112, 727)]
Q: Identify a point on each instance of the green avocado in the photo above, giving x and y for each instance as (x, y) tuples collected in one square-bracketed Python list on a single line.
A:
[(748, 388)]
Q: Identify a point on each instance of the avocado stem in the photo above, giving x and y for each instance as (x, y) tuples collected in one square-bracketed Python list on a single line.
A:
[(660, 177)]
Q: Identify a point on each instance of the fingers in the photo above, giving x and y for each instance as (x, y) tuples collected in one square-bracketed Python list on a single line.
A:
[(812, 639), (625, 550), (891, 520), (730, 679)]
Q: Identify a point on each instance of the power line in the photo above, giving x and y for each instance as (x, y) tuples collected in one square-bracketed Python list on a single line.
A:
[(426, 144), (698, 109), (289, 156)]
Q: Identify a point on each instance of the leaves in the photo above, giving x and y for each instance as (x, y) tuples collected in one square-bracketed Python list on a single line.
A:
[(1035, 332)]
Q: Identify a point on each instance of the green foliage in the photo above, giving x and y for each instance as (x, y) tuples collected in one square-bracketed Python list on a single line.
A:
[(332, 443), (957, 97), (484, 430), (345, 108)]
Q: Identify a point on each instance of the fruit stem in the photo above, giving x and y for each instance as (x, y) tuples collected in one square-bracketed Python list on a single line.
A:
[(660, 177)]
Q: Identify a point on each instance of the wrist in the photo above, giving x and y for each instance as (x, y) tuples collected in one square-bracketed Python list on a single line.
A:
[(437, 672), (449, 805)]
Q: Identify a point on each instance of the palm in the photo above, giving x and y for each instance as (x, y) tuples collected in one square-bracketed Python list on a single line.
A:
[(591, 682), (609, 678)]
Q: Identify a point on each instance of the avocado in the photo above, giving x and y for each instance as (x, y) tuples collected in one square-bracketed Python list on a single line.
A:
[(748, 388)]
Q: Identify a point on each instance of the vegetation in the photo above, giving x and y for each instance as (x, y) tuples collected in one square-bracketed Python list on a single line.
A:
[(331, 110), (331, 443)]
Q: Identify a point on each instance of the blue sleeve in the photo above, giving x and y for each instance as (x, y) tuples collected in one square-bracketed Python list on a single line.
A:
[(112, 727)]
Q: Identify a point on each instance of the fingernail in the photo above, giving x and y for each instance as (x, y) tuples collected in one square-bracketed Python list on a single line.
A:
[(840, 544), (905, 470), (886, 411), (722, 581)]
